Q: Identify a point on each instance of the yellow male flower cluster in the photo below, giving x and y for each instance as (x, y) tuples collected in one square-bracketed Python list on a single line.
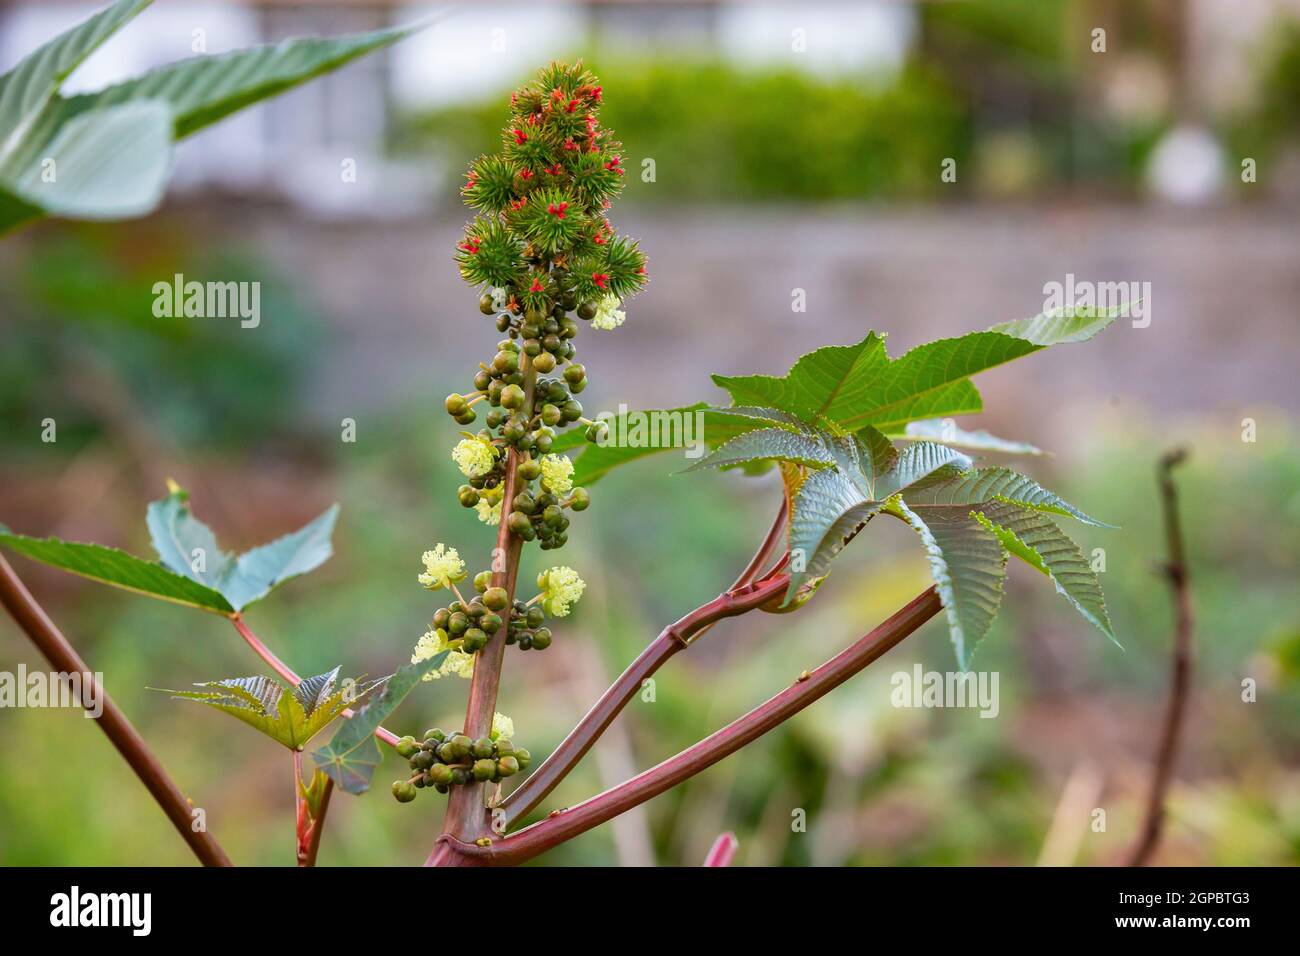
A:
[(608, 314), (435, 642), (502, 726), (560, 587), (488, 508), (474, 456), (557, 473), (442, 568)]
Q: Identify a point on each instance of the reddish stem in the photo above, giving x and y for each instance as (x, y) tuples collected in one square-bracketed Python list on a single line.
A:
[(723, 850), (31, 617), (672, 639), (564, 825)]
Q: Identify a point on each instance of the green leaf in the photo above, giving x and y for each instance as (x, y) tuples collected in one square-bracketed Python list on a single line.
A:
[(204, 89), (639, 434), (122, 570), (769, 443), (263, 568), (351, 756), (1062, 326), (968, 565), (110, 164), (1000, 484), (1040, 543), (292, 718), (832, 505), (943, 430), (854, 385), (30, 86), (109, 152), (187, 546)]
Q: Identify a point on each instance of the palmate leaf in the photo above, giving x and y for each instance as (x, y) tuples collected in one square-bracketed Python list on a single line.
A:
[(961, 520), (854, 385), (187, 546), (351, 756), (291, 719), (108, 154), (776, 444), (841, 388), (111, 566), (944, 431), (968, 565), (193, 571), (1037, 540), (832, 505), (983, 485)]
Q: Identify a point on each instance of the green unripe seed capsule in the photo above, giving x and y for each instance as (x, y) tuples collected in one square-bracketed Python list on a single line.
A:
[(523, 756), (440, 774), (552, 515), (503, 323), (455, 404), (524, 502), (482, 581), (485, 303), (507, 766), (404, 791), (535, 617), (468, 496), (440, 618), (505, 362), (457, 623), (496, 599), (467, 418), (483, 748), (446, 752), (504, 747), (543, 442), (530, 470), (575, 374), (587, 310), (532, 347), (551, 414), (475, 640), (541, 638), (435, 733), (407, 747), (460, 777), (484, 769), (491, 623), (544, 362), (422, 760), (572, 410), (512, 397)]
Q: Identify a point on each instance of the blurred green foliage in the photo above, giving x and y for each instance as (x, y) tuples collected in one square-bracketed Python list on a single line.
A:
[(756, 134), (81, 344)]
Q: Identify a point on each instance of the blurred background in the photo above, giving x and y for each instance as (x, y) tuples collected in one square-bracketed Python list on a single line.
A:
[(794, 147)]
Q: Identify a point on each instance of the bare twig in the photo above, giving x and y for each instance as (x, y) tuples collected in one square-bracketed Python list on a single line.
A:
[(564, 825), (1180, 678), (31, 617)]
